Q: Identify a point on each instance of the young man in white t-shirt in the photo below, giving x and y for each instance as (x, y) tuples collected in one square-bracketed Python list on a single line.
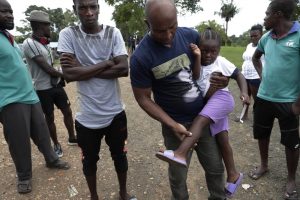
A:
[(95, 56)]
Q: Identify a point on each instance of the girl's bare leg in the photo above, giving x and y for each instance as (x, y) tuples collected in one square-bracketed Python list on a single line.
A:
[(197, 126), (227, 154)]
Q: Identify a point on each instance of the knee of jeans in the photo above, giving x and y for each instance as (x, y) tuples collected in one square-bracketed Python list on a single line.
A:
[(120, 162)]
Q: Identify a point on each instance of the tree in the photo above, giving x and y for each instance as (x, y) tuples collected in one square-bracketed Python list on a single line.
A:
[(296, 15), (227, 11), (186, 5), (129, 18), (59, 19), (213, 25), (129, 15)]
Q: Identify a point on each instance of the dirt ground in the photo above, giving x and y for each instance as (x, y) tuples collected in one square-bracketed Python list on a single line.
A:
[(147, 176)]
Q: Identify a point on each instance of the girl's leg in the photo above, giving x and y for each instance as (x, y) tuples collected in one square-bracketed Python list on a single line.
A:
[(196, 128), (227, 154)]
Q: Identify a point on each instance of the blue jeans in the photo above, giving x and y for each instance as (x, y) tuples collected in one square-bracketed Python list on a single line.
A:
[(208, 156)]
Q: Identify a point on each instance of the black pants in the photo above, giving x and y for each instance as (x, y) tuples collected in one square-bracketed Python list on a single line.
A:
[(89, 140)]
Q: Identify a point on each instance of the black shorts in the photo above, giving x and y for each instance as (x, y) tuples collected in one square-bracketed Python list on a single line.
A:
[(264, 114), (89, 140), (253, 82), (48, 98)]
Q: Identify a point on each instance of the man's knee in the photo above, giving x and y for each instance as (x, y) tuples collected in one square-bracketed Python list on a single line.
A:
[(120, 162), (49, 118)]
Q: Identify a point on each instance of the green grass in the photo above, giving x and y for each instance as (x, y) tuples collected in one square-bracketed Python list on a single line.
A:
[(233, 54)]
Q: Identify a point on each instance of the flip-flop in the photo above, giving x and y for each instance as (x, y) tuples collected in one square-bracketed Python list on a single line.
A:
[(231, 188), (291, 196), (255, 176), (168, 156)]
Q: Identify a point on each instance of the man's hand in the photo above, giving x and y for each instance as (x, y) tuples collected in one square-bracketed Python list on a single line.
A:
[(296, 108), (218, 81), (181, 132), (245, 99), (69, 60)]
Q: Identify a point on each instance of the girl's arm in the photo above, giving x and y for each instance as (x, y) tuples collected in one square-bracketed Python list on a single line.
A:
[(197, 62)]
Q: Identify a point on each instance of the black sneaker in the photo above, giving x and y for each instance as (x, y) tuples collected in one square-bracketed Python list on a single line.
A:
[(58, 164), (24, 187), (58, 150), (72, 142)]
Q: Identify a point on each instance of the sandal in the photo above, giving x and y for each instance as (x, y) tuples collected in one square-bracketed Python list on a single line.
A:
[(24, 186), (231, 188)]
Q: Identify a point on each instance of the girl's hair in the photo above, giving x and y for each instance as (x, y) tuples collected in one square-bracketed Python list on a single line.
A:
[(257, 27), (209, 34)]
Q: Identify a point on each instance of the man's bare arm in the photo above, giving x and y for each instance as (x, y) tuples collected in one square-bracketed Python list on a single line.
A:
[(257, 62), (143, 97), (119, 69), (73, 70), (42, 63)]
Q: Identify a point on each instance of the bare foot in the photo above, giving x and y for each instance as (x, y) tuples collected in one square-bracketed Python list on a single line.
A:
[(257, 172), (127, 197), (233, 178)]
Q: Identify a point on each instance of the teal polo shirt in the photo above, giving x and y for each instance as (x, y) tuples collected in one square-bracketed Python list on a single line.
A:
[(15, 80), (281, 72)]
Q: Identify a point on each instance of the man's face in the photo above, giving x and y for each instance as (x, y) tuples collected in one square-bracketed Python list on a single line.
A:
[(270, 19), (6, 16), (46, 29), (163, 30), (87, 11)]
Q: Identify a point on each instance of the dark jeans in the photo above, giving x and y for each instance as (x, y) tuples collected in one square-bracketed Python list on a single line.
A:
[(20, 123), (210, 159)]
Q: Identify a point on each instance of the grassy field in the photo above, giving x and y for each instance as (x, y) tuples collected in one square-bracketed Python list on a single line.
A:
[(233, 54)]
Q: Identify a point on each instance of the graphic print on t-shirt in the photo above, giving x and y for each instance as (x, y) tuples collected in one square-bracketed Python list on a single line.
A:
[(171, 66)]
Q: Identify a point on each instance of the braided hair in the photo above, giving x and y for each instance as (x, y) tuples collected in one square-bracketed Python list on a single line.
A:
[(210, 34)]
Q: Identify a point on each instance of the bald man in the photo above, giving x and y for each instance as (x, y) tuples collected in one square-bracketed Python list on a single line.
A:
[(162, 65)]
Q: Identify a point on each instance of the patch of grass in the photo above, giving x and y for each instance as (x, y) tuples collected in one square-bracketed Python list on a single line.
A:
[(233, 54)]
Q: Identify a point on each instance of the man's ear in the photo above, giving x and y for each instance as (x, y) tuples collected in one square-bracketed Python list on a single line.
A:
[(147, 23), (74, 9)]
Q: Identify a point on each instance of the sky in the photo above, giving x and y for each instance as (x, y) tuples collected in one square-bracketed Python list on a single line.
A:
[(250, 13)]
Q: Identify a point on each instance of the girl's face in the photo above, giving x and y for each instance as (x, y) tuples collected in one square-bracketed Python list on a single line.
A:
[(209, 51)]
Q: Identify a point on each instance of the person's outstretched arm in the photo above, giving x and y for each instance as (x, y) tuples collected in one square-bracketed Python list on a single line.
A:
[(143, 97)]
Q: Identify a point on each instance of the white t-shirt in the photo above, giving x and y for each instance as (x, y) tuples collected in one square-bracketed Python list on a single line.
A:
[(222, 65), (248, 69), (99, 99), (33, 48)]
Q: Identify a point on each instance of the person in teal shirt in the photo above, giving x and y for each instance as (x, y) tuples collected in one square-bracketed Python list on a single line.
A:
[(278, 94), (20, 111)]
